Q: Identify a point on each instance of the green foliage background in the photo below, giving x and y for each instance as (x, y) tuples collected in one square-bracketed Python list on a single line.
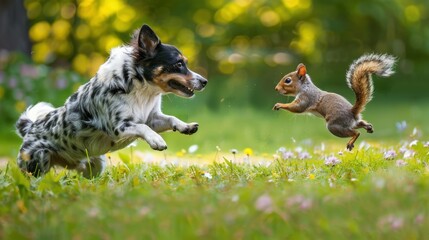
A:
[(243, 46)]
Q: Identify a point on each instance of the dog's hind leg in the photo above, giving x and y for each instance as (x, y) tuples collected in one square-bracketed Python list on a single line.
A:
[(37, 163), (92, 167)]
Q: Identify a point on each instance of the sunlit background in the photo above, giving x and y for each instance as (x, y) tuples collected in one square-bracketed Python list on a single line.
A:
[(249, 172), (243, 47)]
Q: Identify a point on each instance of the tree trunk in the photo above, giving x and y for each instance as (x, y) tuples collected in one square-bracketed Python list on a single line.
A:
[(14, 27)]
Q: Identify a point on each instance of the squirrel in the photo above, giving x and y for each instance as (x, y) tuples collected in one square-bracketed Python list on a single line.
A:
[(342, 118)]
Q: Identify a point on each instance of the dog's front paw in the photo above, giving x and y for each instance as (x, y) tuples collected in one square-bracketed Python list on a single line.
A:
[(189, 129), (156, 142)]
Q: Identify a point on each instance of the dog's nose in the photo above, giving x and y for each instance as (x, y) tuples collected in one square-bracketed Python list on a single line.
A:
[(203, 81)]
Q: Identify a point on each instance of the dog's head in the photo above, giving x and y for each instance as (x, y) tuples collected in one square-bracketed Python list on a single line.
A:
[(164, 65)]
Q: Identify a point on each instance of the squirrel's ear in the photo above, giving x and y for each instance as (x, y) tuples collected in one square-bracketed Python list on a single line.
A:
[(301, 70)]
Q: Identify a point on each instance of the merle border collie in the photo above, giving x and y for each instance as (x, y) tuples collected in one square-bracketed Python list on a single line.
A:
[(120, 104)]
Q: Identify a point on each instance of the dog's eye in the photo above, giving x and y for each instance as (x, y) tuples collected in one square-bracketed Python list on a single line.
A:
[(179, 64), (288, 81)]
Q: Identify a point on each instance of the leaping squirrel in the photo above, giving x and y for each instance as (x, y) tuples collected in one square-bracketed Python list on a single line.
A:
[(341, 116)]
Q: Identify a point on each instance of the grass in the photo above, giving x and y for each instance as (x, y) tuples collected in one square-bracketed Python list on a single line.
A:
[(364, 196), (293, 192)]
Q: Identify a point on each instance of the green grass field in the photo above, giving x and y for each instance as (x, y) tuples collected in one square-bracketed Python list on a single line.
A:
[(266, 130), (309, 189)]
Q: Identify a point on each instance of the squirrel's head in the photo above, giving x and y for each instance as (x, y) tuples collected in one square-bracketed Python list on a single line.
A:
[(291, 83)]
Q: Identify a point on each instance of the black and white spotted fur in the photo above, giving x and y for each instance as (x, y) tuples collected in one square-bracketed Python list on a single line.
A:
[(120, 104)]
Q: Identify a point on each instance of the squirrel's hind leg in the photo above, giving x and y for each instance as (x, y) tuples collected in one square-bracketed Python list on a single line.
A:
[(341, 131), (351, 143), (366, 125)]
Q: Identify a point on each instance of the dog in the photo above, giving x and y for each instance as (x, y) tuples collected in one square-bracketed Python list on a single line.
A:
[(120, 104)]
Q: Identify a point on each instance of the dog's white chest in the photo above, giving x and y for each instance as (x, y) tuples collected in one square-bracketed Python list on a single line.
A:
[(142, 107)]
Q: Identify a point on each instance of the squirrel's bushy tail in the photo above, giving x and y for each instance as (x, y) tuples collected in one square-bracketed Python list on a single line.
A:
[(359, 77), (30, 115)]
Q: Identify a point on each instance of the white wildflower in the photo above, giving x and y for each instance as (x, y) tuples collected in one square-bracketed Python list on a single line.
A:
[(409, 154), (285, 154), (401, 126), (416, 133), (234, 151), (193, 148), (390, 154), (413, 143), (207, 175), (264, 203), (364, 145), (332, 161), (304, 155), (401, 163)]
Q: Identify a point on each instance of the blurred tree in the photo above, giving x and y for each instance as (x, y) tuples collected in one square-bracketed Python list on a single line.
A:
[(14, 27), (243, 46)]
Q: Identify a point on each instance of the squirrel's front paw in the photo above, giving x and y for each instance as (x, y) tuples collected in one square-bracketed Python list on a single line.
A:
[(189, 129), (277, 106), (369, 129)]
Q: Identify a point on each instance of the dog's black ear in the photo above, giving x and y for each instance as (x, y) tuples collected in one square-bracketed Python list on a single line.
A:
[(148, 41)]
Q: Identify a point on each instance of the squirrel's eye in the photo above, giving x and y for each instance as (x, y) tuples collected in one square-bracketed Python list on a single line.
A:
[(288, 80)]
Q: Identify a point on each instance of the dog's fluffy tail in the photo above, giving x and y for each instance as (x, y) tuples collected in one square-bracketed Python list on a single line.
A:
[(30, 115)]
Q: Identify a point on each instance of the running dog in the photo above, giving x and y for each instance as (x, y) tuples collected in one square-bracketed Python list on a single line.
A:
[(120, 104)]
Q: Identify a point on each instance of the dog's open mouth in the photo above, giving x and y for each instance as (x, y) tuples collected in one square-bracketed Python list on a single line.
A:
[(178, 86)]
